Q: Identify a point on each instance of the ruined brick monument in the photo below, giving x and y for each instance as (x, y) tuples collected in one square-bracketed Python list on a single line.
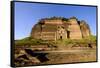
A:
[(55, 28)]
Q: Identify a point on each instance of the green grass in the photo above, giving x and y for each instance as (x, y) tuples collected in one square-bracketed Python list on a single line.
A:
[(31, 41), (90, 39), (27, 41)]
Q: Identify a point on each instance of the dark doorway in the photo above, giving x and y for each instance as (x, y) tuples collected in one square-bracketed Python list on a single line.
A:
[(60, 37), (68, 34)]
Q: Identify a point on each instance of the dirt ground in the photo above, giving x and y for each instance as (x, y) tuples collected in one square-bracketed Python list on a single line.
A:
[(60, 55)]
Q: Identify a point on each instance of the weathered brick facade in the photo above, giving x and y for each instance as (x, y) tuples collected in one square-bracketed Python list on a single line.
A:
[(60, 28)]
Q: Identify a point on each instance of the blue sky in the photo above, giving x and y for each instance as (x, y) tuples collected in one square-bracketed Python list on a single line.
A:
[(28, 14)]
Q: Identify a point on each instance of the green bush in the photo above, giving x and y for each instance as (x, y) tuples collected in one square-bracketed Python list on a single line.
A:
[(93, 38), (31, 41), (27, 41)]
